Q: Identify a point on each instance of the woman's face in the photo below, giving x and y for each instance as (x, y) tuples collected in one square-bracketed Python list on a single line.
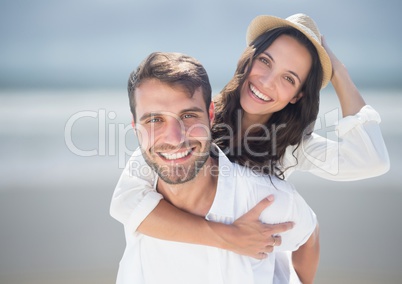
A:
[(276, 77)]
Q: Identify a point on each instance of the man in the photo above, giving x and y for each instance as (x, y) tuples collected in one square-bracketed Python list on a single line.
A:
[(170, 100)]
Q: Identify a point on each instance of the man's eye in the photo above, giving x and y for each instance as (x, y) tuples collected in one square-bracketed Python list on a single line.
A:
[(188, 116), (154, 120)]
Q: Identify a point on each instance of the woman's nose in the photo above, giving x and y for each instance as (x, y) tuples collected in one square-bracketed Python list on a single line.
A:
[(268, 80)]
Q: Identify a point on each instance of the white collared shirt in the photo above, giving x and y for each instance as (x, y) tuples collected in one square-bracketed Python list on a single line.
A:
[(147, 260)]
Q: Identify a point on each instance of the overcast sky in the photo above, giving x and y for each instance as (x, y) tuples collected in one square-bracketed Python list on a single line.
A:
[(95, 44)]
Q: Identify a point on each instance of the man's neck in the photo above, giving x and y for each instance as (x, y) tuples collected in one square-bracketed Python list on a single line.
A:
[(195, 196)]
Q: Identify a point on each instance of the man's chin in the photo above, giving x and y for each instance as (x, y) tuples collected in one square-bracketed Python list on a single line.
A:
[(176, 179)]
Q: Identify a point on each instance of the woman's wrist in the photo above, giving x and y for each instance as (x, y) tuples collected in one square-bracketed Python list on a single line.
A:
[(339, 73), (220, 235), (349, 96)]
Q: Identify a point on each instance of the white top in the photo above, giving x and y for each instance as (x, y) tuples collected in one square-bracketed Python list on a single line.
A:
[(154, 261), (360, 153)]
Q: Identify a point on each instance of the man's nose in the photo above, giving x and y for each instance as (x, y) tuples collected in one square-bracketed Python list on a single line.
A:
[(174, 131)]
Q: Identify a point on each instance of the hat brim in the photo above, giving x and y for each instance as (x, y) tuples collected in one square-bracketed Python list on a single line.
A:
[(264, 23)]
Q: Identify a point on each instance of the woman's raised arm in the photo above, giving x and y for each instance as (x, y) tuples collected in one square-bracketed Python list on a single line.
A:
[(349, 96)]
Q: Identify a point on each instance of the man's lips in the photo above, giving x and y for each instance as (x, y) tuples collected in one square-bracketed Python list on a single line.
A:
[(175, 155)]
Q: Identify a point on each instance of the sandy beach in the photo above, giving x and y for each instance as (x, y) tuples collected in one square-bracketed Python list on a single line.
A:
[(54, 200)]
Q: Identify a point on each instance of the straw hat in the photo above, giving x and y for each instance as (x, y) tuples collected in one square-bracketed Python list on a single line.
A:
[(301, 22)]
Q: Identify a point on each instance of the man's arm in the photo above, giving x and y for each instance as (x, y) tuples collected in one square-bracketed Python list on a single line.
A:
[(305, 259)]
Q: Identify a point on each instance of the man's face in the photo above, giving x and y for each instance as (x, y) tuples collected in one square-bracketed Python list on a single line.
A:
[(173, 130)]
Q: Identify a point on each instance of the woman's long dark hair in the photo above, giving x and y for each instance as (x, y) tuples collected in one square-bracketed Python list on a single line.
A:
[(262, 150)]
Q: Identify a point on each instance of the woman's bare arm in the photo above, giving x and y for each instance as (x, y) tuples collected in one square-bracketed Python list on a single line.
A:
[(305, 259), (246, 236)]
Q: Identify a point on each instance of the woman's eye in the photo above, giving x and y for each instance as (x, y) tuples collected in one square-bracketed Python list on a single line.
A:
[(264, 60), (290, 80)]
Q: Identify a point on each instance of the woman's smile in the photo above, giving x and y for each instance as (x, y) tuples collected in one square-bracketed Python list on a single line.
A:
[(258, 94)]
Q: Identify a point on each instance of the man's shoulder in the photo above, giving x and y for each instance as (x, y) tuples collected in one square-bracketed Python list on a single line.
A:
[(256, 178), (250, 181)]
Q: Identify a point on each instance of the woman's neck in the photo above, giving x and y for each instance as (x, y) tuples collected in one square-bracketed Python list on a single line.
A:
[(249, 121)]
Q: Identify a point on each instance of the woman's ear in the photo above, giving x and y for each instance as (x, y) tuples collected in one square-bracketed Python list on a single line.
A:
[(296, 98)]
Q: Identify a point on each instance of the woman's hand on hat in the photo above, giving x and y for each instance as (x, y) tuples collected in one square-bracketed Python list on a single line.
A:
[(336, 63), (347, 92)]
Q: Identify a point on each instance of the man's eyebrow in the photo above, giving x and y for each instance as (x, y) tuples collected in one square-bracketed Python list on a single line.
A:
[(290, 71), (148, 115), (193, 109)]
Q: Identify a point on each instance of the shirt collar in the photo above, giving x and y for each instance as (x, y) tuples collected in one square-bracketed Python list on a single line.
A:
[(225, 192)]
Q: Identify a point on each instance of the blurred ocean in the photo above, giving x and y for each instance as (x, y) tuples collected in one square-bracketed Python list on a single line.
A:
[(62, 153)]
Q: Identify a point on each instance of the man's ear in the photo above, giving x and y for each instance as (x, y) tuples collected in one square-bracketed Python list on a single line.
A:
[(211, 112), (133, 122), (296, 98)]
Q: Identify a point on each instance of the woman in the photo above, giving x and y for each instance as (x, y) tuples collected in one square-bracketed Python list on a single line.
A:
[(275, 88)]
